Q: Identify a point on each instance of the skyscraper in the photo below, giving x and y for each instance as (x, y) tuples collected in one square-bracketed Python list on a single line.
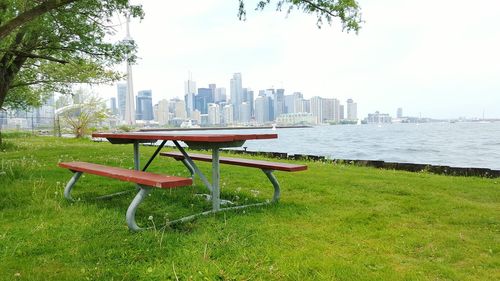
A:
[(179, 108), (245, 112), (212, 87), (202, 99), (278, 103), (399, 113), (162, 113), (189, 93), (236, 92), (112, 106), (328, 109), (220, 95), (122, 97), (317, 108), (352, 110), (262, 109), (213, 114), (144, 103), (227, 114)]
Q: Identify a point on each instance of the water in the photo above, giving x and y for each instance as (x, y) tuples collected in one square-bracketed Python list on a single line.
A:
[(452, 144)]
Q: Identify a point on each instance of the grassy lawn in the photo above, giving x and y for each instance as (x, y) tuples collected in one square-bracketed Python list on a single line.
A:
[(334, 222)]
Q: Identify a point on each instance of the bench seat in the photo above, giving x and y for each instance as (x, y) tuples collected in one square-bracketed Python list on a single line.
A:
[(145, 181), (139, 177), (267, 167), (261, 164)]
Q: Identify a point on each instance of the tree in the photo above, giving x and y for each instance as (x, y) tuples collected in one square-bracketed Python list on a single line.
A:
[(347, 11), (88, 111), (46, 46)]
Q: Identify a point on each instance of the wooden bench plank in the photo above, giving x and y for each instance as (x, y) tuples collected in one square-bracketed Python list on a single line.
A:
[(261, 164), (139, 177)]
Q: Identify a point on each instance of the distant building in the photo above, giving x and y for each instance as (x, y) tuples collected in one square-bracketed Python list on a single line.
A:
[(352, 110), (220, 95), (294, 103), (189, 93), (213, 114), (196, 117), (378, 118), (202, 99), (179, 108), (121, 89), (341, 112), (245, 112), (212, 87), (301, 118), (236, 91), (317, 109), (306, 106), (144, 105), (248, 97), (262, 109), (399, 113), (331, 110), (162, 112), (112, 106), (278, 103), (227, 114)]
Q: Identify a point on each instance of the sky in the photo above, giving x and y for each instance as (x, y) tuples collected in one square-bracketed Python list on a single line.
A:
[(438, 59)]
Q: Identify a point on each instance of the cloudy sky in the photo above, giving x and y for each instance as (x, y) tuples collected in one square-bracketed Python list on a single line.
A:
[(435, 58)]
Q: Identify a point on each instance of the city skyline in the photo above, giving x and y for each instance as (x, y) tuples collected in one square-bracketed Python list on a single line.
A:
[(445, 66), (211, 106)]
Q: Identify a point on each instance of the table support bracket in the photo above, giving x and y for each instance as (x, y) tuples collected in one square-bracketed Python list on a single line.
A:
[(192, 217), (69, 186), (143, 193), (154, 155), (276, 185), (193, 165)]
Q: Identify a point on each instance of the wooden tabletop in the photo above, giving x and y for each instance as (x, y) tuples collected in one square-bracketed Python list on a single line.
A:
[(209, 138)]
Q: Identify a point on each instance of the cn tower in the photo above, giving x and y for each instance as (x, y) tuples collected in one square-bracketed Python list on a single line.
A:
[(129, 100)]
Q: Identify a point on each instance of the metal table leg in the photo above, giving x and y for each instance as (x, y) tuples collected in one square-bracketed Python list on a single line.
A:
[(215, 180), (143, 193), (71, 183)]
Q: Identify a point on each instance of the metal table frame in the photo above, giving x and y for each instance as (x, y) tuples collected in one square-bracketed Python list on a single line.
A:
[(213, 187)]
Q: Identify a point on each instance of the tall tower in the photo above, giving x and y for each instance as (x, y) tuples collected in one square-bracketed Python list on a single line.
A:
[(189, 95), (129, 101), (236, 92)]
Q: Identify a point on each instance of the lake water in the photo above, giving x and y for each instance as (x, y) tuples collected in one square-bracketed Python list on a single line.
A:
[(453, 144)]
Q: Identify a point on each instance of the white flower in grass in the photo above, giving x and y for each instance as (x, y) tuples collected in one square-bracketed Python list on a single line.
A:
[(150, 218)]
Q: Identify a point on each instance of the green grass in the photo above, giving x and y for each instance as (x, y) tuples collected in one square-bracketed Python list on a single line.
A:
[(334, 222)]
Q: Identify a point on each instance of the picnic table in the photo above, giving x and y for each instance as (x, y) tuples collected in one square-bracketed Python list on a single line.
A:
[(146, 181)]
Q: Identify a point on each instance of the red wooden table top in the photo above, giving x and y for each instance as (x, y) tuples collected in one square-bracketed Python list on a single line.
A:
[(209, 138)]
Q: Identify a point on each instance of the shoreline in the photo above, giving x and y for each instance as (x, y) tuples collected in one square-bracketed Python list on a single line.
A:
[(402, 166), (224, 128)]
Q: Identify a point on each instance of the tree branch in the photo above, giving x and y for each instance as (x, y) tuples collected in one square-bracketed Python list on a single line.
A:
[(35, 56), (316, 6), (31, 14)]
